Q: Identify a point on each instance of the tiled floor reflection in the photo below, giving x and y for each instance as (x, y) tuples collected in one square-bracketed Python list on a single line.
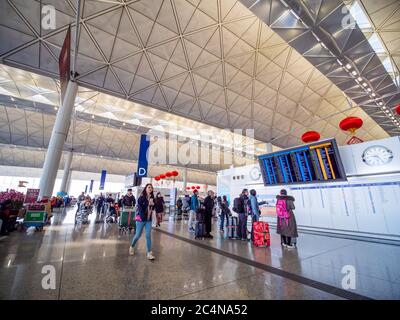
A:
[(91, 262)]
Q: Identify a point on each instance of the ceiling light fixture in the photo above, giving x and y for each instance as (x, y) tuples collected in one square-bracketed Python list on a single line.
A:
[(354, 72), (365, 84), (12, 99), (369, 89), (348, 66), (284, 3), (381, 103), (359, 79), (373, 94), (295, 14), (92, 116)]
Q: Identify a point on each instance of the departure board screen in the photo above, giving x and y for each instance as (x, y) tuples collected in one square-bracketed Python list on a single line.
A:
[(316, 162)]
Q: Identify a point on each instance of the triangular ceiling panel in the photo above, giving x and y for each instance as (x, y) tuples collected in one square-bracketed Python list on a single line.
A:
[(199, 20), (143, 24), (160, 34)]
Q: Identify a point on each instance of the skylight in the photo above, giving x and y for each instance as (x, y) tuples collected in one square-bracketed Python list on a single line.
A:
[(359, 16), (374, 40), (376, 44), (387, 63)]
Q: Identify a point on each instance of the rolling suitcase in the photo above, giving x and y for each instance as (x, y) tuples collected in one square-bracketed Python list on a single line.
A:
[(232, 227), (199, 230), (261, 235), (200, 227)]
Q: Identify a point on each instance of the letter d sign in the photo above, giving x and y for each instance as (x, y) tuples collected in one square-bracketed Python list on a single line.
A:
[(142, 161)]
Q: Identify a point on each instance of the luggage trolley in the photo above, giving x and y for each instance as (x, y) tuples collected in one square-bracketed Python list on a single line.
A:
[(126, 220), (35, 216), (82, 216)]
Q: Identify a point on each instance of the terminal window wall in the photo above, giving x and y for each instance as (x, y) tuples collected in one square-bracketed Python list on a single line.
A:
[(317, 162), (76, 186)]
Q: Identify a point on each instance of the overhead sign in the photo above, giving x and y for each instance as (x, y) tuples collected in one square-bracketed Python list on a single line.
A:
[(102, 179), (143, 160), (86, 188), (91, 186)]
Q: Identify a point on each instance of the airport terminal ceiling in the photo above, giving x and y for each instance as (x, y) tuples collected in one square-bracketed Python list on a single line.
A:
[(216, 65)]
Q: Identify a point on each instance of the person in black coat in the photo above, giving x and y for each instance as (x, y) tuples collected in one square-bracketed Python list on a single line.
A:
[(159, 208), (129, 199), (208, 206)]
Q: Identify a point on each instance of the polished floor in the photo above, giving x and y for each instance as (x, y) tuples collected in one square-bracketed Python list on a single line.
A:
[(91, 262)]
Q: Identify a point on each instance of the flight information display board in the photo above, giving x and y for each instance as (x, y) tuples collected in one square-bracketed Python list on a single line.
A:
[(316, 162)]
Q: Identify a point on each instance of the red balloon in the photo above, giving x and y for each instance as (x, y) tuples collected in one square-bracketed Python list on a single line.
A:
[(193, 187), (310, 136), (169, 174), (351, 124), (157, 178), (175, 173), (187, 188), (197, 187), (398, 109), (162, 176)]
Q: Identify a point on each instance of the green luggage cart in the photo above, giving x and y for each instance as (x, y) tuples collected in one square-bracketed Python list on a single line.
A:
[(35, 218), (127, 220)]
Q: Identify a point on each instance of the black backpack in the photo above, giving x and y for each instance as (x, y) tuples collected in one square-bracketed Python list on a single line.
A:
[(238, 205)]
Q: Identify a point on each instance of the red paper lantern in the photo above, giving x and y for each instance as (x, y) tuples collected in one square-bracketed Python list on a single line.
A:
[(168, 174), (351, 124), (310, 136), (193, 187), (187, 188), (398, 109), (157, 178), (197, 187), (175, 173), (162, 176)]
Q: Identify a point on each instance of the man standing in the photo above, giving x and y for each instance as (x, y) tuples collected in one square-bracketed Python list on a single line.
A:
[(100, 203), (81, 198), (129, 199), (194, 204), (209, 206), (110, 200), (241, 208)]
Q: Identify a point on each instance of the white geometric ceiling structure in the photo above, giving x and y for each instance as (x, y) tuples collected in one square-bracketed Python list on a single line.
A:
[(212, 61)]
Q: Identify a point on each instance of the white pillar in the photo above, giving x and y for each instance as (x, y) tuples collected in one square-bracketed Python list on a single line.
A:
[(56, 145), (269, 147), (184, 179), (69, 182), (67, 167)]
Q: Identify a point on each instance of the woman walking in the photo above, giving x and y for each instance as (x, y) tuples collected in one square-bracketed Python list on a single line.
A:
[(145, 207), (286, 224)]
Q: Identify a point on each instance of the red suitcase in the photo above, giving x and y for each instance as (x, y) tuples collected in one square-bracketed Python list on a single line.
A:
[(261, 236)]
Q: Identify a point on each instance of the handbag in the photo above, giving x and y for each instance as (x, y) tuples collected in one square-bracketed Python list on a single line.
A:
[(138, 218)]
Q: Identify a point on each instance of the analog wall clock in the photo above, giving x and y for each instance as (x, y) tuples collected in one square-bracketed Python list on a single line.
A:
[(255, 173), (377, 156)]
